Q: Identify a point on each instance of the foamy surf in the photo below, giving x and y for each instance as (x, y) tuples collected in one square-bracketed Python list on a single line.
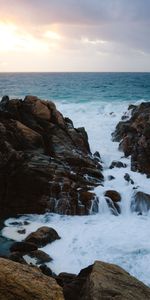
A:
[(122, 239)]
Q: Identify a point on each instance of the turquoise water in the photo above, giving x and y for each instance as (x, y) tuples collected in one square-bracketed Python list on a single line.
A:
[(77, 87)]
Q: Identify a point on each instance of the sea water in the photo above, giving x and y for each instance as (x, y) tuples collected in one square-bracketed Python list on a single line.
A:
[(96, 101)]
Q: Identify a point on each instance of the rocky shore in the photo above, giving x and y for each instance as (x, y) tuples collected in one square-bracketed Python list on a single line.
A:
[(46, 165), (99, 281)]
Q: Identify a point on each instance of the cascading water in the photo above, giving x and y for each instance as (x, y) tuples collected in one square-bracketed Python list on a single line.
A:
[(122, 239)]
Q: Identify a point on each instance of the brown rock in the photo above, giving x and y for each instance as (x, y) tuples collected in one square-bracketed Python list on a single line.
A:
[(103, 281), (24, 247), (134, 137), (42, 236), (113, 195), (22, 282), (45, 164), (40, 256)]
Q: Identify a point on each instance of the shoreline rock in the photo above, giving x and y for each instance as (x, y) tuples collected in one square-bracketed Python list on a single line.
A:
[(99, 281), (45, 163), (134, 137)]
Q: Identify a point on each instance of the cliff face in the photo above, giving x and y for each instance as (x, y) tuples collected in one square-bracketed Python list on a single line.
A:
[(45, 163)]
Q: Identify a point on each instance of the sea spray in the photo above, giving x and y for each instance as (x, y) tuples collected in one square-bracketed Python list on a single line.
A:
[(122, 239)]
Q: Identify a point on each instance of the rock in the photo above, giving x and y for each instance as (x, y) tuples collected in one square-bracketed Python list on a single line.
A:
[(113, 195), (113, 206), (40, 256), (17, 257), (117, 164), (134, 137), (102, 281), (26, 283), (128, 178), (46, 270), (45, 163), (43, 236), (21, 231), (64, 278), (24, 247), (110, 177), (140, 203)]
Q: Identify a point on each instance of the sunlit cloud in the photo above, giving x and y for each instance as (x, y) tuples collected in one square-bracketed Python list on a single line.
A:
[(74, 35)]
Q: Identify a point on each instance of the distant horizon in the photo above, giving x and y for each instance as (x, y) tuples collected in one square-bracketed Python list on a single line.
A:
[(52, 72)]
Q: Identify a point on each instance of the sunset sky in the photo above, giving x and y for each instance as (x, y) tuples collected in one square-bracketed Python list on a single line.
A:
[(74, 35)]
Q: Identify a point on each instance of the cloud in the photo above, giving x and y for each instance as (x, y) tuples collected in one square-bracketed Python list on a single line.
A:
[(122, 24)]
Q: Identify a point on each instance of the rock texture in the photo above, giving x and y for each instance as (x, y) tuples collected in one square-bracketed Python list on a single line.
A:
[(22, 282), (134, 137), (140, 203), (42, 236), (103, 281), (45, 163)]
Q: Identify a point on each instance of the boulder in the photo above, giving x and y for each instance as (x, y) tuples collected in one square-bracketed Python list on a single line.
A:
[(24, 247), (113, 195), (43, 236), (24, 282), (40, 256), (140, 203), (102, 281), (117, 164), (45, 163), (134, 137)]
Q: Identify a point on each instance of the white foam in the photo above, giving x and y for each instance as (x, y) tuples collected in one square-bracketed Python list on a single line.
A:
[(123, 240)]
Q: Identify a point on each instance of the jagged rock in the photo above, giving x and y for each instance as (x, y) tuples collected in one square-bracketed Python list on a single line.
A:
[(140, 203), (24, 282), (117, 164), (43, 236), (102, 281), (45, 163), (134, 137)]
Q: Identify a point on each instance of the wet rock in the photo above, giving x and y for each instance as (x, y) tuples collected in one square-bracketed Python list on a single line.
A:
[(113, 206), (128, 178), (40, 256), (134, 137), (46, 270), (102, 281), (117, 164), (26, 283), (140, 203), (113, 195), (43, 236), (24, 247), (44, 161), (110, 177), (17, 257), (21, 231)]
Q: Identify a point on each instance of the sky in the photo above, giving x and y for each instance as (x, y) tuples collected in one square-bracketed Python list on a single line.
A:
[(74, 35)]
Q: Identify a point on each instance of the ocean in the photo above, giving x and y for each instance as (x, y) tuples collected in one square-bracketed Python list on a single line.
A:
[(96, 101)]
